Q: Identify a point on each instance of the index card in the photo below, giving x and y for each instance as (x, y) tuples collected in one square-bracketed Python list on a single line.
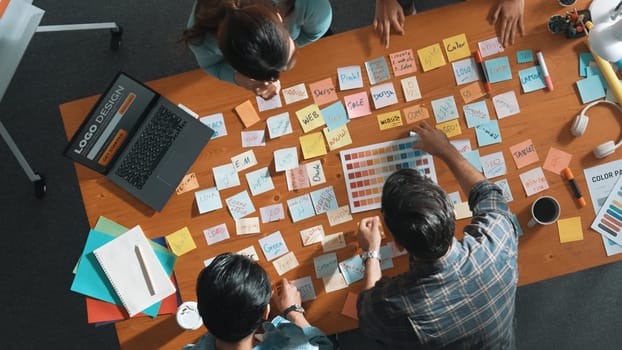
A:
[(312, 235), (244, 160)]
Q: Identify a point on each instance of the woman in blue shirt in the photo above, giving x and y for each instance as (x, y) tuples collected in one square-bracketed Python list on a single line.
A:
[(249, 42)]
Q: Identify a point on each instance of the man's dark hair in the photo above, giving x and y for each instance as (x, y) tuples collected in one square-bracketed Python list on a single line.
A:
[(418, 213), (232, 295)]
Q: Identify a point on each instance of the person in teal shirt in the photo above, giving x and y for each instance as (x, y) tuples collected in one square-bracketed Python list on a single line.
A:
[(233, 298), (249, 42)]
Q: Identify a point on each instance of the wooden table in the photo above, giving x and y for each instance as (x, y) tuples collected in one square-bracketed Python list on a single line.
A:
[(545, 118)]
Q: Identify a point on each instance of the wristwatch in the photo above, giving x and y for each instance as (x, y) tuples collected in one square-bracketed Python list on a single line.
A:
[(370, 254), (294, 307)]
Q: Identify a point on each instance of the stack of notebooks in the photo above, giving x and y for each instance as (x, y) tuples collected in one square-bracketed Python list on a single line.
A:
[(123, 274)]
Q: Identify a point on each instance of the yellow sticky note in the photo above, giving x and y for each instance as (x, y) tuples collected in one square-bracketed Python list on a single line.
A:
[(415, 113), (389, 120), (450, 128), (180, 241), (247, 113), (456, 47), (310, 117), (431, 57), (570, 230), (312, 145), (337, 137)]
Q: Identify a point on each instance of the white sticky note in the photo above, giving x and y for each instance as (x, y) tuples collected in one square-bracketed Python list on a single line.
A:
[(349, 77), (217, 123), (506, 104), (462, 211), (286, 158), (325, 265), (312, 235), (383, 95), (295, 93), (285, 263), (339, 215), (272, 213), (279, 125), (272, 103), (305, 287), (493, 165), (534, 181), (334, 282), (315, 172), (259, 181), (216, 234), (333, 242), (410, 86), (490, 47), (246, 226), (244, 160), (208, 200), (273, 245), (253, 138)]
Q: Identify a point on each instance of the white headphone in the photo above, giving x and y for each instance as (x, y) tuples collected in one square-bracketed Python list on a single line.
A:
[(580, 124)]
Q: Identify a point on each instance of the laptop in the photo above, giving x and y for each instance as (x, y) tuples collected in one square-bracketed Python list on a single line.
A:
[(140, 140)]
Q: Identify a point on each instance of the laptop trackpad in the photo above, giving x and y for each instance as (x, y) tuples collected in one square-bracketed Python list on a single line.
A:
[(169, 169)]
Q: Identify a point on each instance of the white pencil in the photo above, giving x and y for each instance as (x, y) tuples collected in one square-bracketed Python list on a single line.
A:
[(145, 269)]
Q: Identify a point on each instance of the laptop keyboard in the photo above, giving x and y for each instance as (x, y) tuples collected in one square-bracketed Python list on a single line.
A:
[(151, 145)]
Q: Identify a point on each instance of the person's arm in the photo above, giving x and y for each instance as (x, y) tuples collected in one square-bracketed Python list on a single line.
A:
[(508, 16), (369, 239), (389, 14), (316, 17)]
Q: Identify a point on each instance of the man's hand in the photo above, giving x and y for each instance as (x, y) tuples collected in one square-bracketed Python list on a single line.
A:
[(389, 14), (508, 15), (286, 295), (264, 89), (369, 234), (434, 141)]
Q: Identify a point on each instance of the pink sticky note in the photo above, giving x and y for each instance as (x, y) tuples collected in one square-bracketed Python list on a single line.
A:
[(357, 105), (216, 234), (349, 307), (524, 153), (272, 213), (556, 160), (534, 181), (403, 62), (323, 91)]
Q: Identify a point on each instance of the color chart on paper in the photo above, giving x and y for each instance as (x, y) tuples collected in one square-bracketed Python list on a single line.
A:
[(365, 169), (608, 222)]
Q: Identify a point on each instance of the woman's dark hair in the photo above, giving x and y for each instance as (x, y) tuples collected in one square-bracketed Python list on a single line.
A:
[(232, 295), (418, 213), (249, 33)]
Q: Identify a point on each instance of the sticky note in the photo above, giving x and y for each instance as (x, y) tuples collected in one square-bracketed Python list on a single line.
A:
[(335, 115), (410, 86), (295, 93), (305, 288), (337, 138), (254, 138), (490, 47), (188, 183), (208, 200), (462, 211), (271, 103), (279, 125), (225, 176), (386, 258), (524, 153), (339, 215), (403, 62), (498, 69), (415, 113), (240, 205), (472, 92), (531, 79), (590, 89), (297, 178), (377, 70), (285, 263), (273, 245), (465, 71), (334, 282), (325, 265), (244, 160), (493, 165), (259, 181), (456, 47), (333, 242), (310, 117), (300, 207), (352, 269), (476, 113), (389, 120), (216, 234), (180, 241), (505, 188), (246, 226), (594, 70), (488, 133), (249, 252), (444, 109), (383, 95), (323, 92), (534, 181), (570, 229), (506, 104), (524, 56), (324, 200), (349, 307), (349, 77), (473, 158), (312, 145), (450, 128), (217, 123), (462, 145), (286, 158), (556, 160), (357, 105), (585, 59), (315, 172), (247, 113), (272, 213), (431, 57), (312, 235)]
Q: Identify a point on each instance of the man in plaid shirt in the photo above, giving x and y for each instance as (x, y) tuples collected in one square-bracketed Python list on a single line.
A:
[(457, 294)]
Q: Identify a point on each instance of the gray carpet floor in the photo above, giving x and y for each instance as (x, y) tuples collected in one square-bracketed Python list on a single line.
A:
[(43, 238)]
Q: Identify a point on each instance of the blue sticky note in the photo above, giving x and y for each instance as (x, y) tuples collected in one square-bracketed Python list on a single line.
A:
[(524, 56), (300, 207), (259, 181), (217, 123), (377, 70), (498, 69), (335, 115), (325, 265), (349, 77), (279, 125), (476, 113), (273, 245), (531, 79), (208, 200), (474, 159), (584, 61), (352, 269), (590, 89), (240, 205), (445, 109), (488, 133), (324, 200), (594, 70), (519, 229), (386, 258)]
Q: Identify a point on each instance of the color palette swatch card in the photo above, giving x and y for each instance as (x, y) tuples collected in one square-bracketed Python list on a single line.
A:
[(366, 168), (608, 222)]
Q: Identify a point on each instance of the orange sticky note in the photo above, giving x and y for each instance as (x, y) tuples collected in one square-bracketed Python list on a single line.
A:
[(472, 92), (389, 120), (431, 57), (450, 128), (415, 113), (188, 183), (556, 160), (349, 307), (323, 92), (312, 145), (403, 62), (524, 153), (456, 47), (247, 113)]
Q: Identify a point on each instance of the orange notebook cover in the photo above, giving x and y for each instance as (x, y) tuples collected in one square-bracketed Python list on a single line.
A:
[(3, 5)]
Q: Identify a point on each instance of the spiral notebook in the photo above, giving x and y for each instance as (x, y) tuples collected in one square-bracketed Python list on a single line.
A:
[(136, 274)]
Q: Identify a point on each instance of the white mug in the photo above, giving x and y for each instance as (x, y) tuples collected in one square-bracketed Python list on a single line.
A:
[(544, 211), (188, 316)]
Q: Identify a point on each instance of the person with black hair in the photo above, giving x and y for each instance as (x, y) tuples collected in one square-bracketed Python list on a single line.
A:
[(233, 298), (250, 42), (457, 294)]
